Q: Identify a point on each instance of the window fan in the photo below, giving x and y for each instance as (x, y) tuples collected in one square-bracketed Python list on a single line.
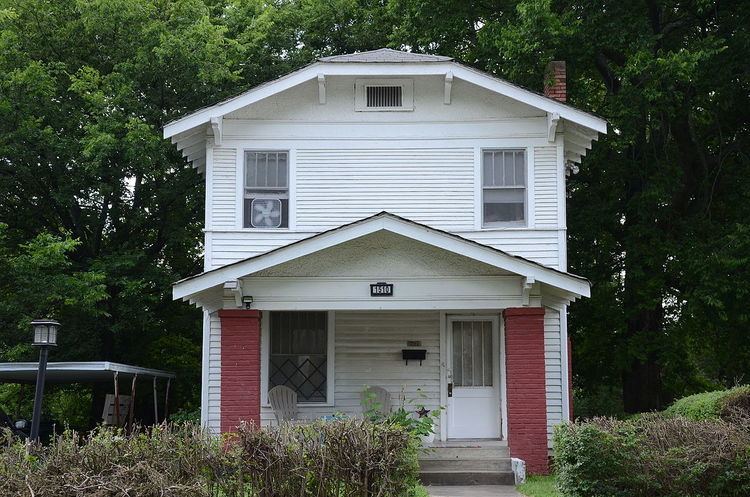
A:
[(265, 212)]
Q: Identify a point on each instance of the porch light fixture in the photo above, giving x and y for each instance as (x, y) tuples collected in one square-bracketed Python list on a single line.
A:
[(248, 301), (45, 336)]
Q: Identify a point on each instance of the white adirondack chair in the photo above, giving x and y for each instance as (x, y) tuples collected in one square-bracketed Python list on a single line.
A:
[(283, 401), (376, 398)]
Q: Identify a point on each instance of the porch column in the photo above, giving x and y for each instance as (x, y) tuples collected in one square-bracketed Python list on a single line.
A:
[(240, 367), (526, 390)]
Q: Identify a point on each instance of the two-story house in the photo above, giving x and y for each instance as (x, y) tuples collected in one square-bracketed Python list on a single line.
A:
[(381, 202)]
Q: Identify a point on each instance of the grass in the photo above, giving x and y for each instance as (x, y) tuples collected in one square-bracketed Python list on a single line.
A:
[(418, 491), (539, 486)]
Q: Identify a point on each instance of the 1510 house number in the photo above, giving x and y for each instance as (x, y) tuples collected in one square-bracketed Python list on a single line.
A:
[(381, 289)]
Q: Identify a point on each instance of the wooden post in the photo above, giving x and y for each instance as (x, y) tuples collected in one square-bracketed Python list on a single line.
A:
[(117, 400), (166, 400), (132, 402), (156, 405)]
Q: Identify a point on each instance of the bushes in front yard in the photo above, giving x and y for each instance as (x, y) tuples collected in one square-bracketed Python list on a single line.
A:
[(350, 457), (653, 456), (344, 458), (721, 404)]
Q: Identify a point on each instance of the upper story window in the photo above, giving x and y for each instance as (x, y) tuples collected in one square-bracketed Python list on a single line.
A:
[(266, 198), (384, 95), (503, 187)]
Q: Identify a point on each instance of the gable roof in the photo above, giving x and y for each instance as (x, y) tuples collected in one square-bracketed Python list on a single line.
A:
[(385, 55), (386, 221), (189, 132)]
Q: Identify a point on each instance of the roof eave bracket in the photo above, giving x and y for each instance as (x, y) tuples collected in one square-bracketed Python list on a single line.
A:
[(553, 119), (233, 292), (448, 87), (217, 126), (321, 89), (527, 283)]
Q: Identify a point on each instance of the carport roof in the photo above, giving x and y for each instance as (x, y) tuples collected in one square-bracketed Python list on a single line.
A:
[(76, 372)]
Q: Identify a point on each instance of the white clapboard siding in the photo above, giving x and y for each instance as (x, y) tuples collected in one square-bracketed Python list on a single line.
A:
[(434, 186), (213, 420), (553, 369), (546, 186), (224, 188), (233, 246), (537, 245), (368, 352)]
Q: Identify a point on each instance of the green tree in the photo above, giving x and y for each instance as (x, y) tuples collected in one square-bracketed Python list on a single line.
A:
[(85, 87), (658, 215)]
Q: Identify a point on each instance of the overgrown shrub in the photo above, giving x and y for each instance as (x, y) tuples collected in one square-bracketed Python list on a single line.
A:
[(653, 456), (163, 461), (348, 457), (720, 404), (343, 458)]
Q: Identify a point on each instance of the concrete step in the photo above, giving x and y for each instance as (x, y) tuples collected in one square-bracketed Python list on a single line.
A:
[(466, 478), (468, 465), (459, 453)]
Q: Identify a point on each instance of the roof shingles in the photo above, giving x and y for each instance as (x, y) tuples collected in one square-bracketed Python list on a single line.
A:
[(385, 55)]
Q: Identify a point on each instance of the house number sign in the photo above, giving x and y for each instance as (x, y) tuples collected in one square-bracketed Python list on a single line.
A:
[(381, 289)]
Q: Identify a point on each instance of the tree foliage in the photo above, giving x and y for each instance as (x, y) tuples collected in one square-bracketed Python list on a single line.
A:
[(657, 215)]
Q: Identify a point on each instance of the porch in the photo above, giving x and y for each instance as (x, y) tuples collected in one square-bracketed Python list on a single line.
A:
[(332, 314), (329, 358)]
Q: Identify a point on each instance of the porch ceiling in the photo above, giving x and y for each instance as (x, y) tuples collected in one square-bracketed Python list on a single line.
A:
[(441, 252)]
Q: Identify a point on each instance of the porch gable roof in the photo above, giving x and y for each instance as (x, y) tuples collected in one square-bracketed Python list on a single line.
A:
[(386, 221)]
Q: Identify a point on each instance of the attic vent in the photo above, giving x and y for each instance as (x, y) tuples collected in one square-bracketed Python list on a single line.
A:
[(384, 96)]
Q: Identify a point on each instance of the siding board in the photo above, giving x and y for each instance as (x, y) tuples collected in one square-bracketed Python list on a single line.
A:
[(223, 188), (213, 422), (553, 369), (433, 186), (545, 186)]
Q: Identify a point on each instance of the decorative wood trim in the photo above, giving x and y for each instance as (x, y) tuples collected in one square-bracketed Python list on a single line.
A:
[(553, 119), (448, 86), (217, 125), (321, 89)]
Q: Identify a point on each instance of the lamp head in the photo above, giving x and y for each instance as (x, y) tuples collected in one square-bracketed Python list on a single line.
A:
[(45, 332)]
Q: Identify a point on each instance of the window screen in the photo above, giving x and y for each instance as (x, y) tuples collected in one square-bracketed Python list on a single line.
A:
[(472, 353), (299, 353), (266, 203), (503, 187)]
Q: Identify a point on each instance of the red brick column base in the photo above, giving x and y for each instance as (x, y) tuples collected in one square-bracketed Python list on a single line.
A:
[(240, 367), (526, 391)]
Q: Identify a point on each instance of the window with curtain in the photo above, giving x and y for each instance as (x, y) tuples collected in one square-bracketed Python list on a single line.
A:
[(299, 353), (503, 187)]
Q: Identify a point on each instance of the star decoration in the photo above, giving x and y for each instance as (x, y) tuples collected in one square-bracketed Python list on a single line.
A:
[(422, 412)]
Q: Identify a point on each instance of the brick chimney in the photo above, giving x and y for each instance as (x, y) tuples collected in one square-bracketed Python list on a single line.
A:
[(554, 81)]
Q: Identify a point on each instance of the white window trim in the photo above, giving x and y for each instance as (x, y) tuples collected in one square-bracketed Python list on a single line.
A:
[(527, 222), (240, 191), (407, 94), (265, 352)]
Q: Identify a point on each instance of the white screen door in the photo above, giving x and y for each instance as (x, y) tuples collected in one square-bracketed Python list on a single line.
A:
[(473, 372)]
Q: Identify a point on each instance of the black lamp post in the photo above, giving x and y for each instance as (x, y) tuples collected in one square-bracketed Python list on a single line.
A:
[(45, 336)]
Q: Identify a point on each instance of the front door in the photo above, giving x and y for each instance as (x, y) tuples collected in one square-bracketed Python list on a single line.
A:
[(473, 377)]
